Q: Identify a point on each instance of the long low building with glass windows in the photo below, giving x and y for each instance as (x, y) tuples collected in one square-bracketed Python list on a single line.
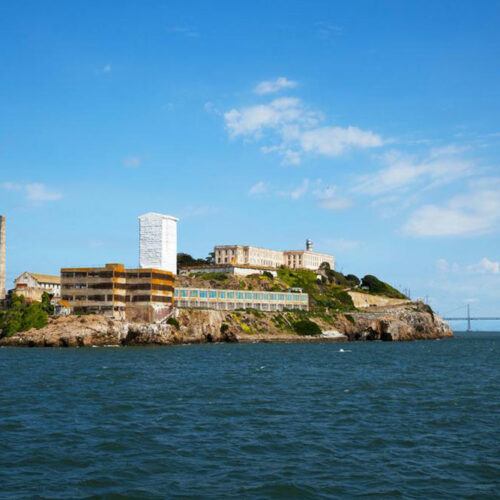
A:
[(209, 298)]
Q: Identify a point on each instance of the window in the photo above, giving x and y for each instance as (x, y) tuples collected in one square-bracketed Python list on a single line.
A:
[(239, 295), (193, 293), (184, 293), (230, 295), (222, 295), (203, 293), (212, 294), (248, 295), (256, 296)]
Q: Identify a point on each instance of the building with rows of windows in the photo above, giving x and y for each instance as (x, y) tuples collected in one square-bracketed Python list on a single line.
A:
[(132, 294), (239, 255), (206, 298)]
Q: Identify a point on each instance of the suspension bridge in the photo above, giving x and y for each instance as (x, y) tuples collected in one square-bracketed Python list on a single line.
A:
[(470, 318)]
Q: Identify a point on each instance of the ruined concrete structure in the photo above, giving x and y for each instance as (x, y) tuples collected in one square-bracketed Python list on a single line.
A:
[(266, 258), (158, 242), (2, 258), (119, 293)]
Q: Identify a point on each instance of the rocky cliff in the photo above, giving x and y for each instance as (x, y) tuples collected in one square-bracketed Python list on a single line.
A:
[(409, 322)]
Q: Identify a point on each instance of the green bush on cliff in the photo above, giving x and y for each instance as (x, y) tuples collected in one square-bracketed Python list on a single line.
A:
[(21, 316), (323, 294), (306, 327), (377, 287)]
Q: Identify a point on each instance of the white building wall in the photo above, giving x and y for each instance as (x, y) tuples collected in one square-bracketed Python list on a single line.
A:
[(158, 242)]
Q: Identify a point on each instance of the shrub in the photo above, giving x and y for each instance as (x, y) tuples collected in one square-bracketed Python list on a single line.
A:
[(307, 327), (173, 322), (353, 279), (21, 316), (224, 328), (269, 275), (375, 286)]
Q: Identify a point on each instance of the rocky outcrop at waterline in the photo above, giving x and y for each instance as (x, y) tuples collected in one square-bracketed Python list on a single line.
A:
[(409, 322)]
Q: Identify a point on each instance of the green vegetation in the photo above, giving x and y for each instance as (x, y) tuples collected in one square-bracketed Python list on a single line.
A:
[(377, 287), (224, 328), (323, 293), (21, 315), (307, 327), (269, 275), (173, 322)]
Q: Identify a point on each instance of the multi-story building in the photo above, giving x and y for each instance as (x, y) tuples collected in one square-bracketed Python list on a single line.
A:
[(158, 242), (239, 255), (33, 285), (205, 298), (132, 294), (248, 256)]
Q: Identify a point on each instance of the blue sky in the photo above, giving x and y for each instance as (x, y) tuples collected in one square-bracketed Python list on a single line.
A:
[(370, 127)]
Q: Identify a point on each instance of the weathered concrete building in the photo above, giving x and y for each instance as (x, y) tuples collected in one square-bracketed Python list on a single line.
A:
[(132, 294), (3, 264), (205, 298), (265, 258), (32, 285), (158, 242)]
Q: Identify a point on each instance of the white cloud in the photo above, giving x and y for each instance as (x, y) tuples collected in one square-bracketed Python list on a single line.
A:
[(293, 130), (272, 86), (33, 191), (185, 31), (329, 200), (11, 186), (402, 171), (132, 161), (258, 188), (485, 266), (477, 212), (300, 190), (107, 68), (342, 244), (39, 192), (332, 141)]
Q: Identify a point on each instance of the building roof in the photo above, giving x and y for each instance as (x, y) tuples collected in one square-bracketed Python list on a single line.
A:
[(46, 278), (150, 215)]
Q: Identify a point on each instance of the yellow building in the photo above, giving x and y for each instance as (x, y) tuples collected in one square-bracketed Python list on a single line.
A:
[(132, 294)]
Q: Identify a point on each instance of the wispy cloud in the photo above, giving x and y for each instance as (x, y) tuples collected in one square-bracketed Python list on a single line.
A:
[(402, 172), (474, 213), (272, 86), (329, 199), (315, 191), (132, 161), (34, 191), (107, 68), (328, 31), (39, 192), (258, 188), (185, 31), (292, 130), (484, 266)]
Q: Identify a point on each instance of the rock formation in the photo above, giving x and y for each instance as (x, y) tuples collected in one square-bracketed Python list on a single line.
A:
[(413, 321)]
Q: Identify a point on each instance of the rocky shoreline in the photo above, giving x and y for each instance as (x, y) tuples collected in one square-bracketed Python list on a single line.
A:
[(408, 322)]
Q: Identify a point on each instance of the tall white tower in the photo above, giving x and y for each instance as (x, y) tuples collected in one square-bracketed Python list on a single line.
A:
[(158, 241)]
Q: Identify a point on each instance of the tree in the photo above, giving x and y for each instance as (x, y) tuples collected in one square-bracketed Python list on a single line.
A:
[(21, 316)]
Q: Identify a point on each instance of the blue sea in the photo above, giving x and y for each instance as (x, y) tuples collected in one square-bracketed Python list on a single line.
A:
[(378, 420)]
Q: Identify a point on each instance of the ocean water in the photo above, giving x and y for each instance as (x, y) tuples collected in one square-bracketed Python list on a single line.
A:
[(387, 420)]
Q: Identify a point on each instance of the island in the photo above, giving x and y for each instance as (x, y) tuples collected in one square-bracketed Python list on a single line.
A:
[(342, 308)]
